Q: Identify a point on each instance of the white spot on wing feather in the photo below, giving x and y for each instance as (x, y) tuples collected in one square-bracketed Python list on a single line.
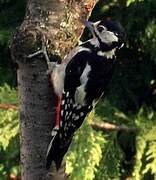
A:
[(63, 101), (62, 112), (73, 116), (76, 118), (78, 107), (67, 94), (65, 107)]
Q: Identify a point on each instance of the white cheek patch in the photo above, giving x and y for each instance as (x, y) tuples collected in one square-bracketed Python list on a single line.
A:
[(111, 36), (107, 36)]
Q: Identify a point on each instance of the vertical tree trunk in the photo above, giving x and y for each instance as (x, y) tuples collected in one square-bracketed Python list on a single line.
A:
[(58, 21)]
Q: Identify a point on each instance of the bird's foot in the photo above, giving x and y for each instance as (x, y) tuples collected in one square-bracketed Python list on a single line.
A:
[(41, 51)]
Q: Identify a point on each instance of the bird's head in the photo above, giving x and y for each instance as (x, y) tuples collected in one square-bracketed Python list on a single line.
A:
[(108, 32)]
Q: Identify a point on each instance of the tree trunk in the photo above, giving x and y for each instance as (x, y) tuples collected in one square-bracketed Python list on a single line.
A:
[(57, 21)]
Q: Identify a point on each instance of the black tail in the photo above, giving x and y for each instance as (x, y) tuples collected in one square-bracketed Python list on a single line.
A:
[(56, 152)]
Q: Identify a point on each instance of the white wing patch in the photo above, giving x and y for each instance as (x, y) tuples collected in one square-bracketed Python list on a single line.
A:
[(80, 93), (84, 76), (58, 73)]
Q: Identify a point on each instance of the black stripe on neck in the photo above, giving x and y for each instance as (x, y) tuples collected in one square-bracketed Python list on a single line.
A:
[(106, 47), (103, 46)]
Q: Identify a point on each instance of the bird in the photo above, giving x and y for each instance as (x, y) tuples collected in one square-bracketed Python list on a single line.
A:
[(80, 81)]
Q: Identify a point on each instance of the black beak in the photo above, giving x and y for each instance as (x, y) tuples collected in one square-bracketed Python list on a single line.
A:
[(90, 26)]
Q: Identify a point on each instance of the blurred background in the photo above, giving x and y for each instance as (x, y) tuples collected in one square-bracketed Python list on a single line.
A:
[(130, 101)]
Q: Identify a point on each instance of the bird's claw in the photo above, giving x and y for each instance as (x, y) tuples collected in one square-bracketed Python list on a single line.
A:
[(41, 51)]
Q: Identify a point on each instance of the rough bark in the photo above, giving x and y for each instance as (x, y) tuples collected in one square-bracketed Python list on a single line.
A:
[(58, 21)]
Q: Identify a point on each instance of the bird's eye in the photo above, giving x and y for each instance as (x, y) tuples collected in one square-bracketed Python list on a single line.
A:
[(116, 34), (101, 28)]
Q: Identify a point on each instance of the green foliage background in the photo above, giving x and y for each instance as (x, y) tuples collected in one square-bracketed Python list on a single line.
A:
[(130, 101)]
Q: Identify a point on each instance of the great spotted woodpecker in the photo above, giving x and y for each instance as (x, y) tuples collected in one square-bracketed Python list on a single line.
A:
[(80, 81)]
